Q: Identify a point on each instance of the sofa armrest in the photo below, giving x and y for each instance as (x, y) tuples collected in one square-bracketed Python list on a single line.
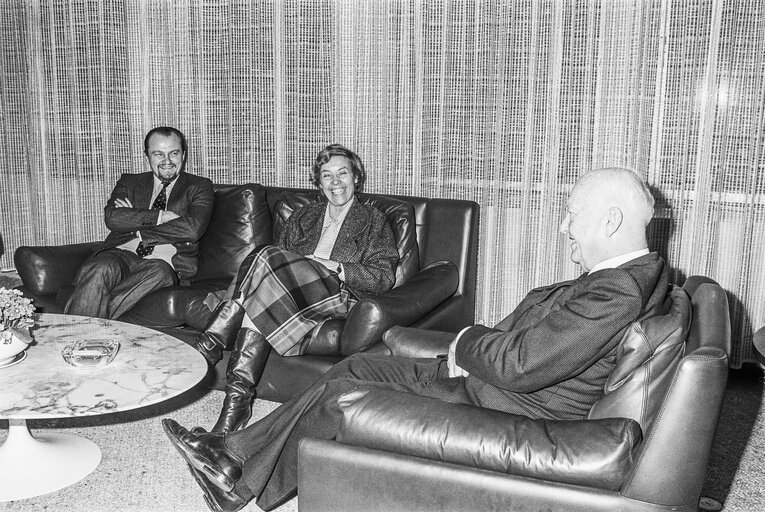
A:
[(45, 269), (596, 453), (404, 305), (415, 343)]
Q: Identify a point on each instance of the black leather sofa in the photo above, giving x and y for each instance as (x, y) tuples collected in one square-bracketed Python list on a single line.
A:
[(435, 288), (645, 445)]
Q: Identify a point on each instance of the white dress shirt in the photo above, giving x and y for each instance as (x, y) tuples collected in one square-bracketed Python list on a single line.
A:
[(164, 252)]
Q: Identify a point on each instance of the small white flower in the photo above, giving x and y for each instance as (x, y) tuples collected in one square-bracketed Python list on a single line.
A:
[(16, 311)]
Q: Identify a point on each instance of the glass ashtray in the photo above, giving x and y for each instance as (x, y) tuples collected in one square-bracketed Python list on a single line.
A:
[(90, 353)]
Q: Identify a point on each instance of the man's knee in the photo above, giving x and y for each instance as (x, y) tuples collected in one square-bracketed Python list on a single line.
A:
[(343, 367), (160, 272), (102, 266), (356, 366)]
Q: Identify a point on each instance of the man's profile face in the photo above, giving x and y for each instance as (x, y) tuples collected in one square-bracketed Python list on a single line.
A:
[(582, 224), (165, 155)]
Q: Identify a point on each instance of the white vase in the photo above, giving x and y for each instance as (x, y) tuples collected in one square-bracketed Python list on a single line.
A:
[(12, 344)]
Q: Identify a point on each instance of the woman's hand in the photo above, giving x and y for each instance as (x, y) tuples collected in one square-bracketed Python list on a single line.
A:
[(330, 264)]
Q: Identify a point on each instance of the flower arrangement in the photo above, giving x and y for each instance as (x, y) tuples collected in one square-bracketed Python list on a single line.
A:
[(15, 316)]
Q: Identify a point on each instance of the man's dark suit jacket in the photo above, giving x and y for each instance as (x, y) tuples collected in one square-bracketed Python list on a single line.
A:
[(551, 356), (191, 198), (365, 244)]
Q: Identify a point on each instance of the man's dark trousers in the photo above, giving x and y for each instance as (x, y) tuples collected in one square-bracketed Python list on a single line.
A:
[(269, 446), (112, 281)]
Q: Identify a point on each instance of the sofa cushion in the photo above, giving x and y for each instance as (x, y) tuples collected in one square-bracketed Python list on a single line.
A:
[(241, 221), (595, 453), (400, 215), (646, 359), (287, 203)]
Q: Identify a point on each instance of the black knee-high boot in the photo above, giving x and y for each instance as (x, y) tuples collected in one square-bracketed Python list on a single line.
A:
[(219, 333), (248, 359)]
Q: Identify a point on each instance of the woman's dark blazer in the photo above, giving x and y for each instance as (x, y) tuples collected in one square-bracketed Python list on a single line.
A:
[(365, 244)]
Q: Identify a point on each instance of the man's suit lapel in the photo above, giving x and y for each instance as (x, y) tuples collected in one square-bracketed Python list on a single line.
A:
[(176, 194), (144, 190)]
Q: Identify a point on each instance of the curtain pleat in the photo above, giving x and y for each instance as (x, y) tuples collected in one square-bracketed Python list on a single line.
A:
[(501, 102)]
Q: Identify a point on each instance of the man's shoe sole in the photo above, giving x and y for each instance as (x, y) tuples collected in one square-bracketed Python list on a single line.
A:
[(204, 485), (200, 463), (210, 503)]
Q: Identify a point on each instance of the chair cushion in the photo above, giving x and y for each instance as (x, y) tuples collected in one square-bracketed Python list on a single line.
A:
[(400, 215), (241, 221), (646, 359), (595, 453)]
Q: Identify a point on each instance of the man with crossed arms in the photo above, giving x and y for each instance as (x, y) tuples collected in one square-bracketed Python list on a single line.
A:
[(155, 220)]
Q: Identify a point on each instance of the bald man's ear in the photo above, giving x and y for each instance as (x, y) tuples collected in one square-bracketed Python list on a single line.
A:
[(614, 219)]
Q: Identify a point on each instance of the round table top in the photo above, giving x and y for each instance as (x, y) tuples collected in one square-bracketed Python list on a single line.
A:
[(150, 367), (759, 345)]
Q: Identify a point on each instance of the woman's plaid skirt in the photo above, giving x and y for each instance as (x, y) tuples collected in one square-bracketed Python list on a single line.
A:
[(286, 295)]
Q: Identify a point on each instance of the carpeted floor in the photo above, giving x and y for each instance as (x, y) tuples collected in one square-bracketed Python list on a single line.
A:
[(141, 472), (736, 475), (9, 279)]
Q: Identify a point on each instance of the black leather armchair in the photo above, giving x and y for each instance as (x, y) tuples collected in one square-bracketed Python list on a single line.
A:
[(435, 282), (645, 445)]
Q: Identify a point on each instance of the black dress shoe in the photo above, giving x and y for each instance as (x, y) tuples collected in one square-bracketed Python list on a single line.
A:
[(207, 453), (217, 499)]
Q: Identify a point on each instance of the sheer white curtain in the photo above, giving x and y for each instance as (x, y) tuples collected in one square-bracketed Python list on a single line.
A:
[(502, 102)]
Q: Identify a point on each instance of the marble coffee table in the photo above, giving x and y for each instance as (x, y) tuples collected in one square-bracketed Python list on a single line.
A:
[(150, 367)]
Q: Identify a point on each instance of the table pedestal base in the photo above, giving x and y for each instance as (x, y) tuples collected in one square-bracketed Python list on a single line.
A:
[(31, 466)]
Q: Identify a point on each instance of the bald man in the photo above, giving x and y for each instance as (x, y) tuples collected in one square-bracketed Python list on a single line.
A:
[(549, 358)]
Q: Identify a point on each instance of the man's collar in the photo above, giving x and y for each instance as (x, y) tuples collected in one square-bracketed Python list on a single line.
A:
[(619, 260), (158, 182)]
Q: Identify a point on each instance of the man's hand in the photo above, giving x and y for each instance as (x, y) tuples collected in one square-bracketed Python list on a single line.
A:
[(123, 203), (454, 369), (167, 216)]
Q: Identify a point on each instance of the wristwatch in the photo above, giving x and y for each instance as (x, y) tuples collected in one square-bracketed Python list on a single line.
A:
[(339, 268)]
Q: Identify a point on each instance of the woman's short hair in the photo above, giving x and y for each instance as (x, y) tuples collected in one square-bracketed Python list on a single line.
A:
[(359, 174), (164, 131)]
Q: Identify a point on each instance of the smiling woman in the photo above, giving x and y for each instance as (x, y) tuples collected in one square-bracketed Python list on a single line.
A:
[(338, 162), (328, 256)]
